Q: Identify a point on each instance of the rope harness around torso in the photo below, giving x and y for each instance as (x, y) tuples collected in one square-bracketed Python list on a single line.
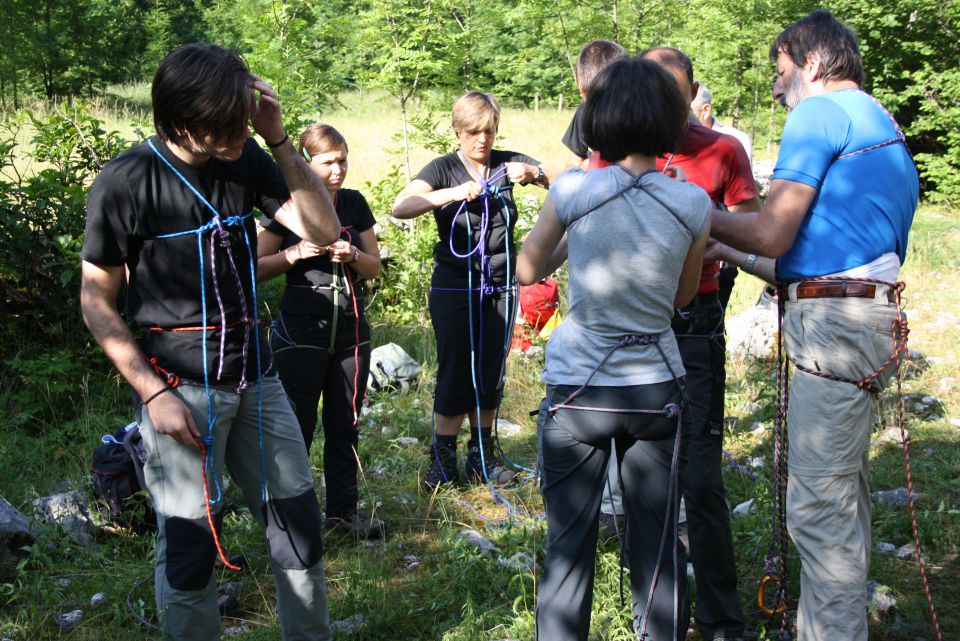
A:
[(775, 562)]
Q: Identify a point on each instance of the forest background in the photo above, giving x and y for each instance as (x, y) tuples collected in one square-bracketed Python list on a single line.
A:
[(73, 94)]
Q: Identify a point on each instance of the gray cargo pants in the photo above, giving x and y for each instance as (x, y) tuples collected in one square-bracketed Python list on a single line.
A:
[(184, 580)]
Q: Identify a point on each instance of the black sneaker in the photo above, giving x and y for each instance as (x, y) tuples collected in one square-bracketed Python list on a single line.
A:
[(496, 471), (442, 468), (359, 525)]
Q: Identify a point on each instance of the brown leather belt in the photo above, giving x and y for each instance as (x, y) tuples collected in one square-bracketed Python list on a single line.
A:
[(841, 289)]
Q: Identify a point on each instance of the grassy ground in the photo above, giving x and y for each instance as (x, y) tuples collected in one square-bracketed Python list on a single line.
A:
[(455, 593)]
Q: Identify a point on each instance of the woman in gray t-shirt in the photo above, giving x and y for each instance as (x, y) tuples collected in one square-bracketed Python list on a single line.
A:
[(635, 242)]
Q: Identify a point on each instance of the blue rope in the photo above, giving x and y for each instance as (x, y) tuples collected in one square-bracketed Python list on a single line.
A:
[(214, 223)]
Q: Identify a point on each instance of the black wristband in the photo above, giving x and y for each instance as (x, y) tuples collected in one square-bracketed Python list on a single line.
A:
[(166, 388), (274, 145)]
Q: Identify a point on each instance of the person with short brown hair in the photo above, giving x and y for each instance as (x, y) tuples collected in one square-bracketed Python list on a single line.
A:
[(321, 338), (472, 294), (173, 218)]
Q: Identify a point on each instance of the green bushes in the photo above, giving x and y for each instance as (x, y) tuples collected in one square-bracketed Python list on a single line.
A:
[(42, 219)]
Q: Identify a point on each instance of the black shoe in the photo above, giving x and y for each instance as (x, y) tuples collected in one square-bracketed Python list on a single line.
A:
[(442, 468), (496, 471), (359, 525)]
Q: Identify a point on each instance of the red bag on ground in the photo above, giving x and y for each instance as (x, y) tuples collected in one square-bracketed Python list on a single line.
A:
[(538, 304)]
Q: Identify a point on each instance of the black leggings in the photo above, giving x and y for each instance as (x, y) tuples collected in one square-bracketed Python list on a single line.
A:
[(309, 370), (576, 451)]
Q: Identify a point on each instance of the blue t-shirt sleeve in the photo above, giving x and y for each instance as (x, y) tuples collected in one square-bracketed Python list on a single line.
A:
[(815, 132)]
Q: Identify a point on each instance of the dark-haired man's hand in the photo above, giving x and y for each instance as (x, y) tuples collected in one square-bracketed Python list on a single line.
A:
[(265, 116)]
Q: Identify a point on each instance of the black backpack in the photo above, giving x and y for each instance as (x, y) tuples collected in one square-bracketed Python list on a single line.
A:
[(118, 483)]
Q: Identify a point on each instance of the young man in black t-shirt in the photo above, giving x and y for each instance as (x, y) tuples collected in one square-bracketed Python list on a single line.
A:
[(174, 217)]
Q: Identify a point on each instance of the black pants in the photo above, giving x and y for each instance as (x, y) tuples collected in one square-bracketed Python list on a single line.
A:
[(703, 350), (469, 373), (308, 370), (576, 451)]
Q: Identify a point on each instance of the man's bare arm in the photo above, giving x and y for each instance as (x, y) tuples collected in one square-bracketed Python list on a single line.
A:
[(98, 301), (771, 231), (310, 212), (760, 266)]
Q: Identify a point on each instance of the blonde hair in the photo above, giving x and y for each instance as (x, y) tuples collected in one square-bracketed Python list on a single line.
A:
[(476, 110), (319, 138)]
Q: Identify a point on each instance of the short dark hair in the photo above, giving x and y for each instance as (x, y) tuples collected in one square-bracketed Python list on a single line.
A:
[(634, 106), (821, 33), (594, 56), (203, 90), (670, 57)]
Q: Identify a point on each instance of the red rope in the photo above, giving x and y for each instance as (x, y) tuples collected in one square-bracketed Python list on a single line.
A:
[(356, 330), (206, 503), (900, 332), (356, 347), (201, 328), (172, 379)]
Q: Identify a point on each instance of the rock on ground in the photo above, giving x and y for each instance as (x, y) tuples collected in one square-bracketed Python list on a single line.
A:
[(753, 332), (14, 534), (893, 498), (349, 625), (476, 540), (69, 511), (744, 508), (880, 599), (68, 620)]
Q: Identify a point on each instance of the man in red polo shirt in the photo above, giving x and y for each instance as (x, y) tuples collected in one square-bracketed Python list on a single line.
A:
[(717, 163)]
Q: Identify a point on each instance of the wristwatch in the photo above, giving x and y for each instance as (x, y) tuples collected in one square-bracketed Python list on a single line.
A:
[(541, 177), (356, 254)]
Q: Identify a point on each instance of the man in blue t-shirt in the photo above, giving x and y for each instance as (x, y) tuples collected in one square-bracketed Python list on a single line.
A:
[(841, 203)]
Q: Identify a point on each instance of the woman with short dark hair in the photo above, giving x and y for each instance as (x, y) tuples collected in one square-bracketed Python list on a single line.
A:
[(472, 296), (635, 240)]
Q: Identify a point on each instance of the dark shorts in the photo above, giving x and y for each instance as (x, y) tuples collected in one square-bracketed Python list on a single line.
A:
[(470, 364)]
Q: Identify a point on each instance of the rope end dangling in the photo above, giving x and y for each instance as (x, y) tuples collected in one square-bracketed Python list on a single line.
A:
[(208, 440)]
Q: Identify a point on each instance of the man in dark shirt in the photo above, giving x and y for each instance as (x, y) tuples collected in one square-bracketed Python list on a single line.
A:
[(717, 163), (173, 217), (593, 57)]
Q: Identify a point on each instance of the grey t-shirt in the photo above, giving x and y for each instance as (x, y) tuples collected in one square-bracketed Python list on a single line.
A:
[(625, 259)]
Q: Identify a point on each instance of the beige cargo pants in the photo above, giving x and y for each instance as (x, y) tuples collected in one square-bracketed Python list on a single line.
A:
[(829, 425)]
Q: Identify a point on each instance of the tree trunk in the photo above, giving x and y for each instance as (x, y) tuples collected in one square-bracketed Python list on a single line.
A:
[(738, 101), (616, 22), (756, 96), (560, 103), (536, 103), (406, 141), (773, 106)]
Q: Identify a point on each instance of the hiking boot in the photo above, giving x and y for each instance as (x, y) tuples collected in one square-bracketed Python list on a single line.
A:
[(612, 526), (496, 471), (359, 525), (443, 466)]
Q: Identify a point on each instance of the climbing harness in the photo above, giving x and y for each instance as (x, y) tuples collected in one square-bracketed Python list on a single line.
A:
[(775, 564), (217, 227), (671, 410), (672, 510), (342, 282)]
